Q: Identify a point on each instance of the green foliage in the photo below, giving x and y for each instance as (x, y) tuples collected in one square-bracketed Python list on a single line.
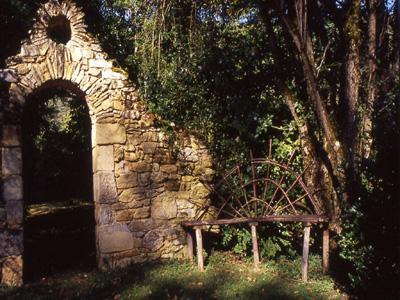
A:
[(240, 238), (352, 248), (57, 139), (275, 240)]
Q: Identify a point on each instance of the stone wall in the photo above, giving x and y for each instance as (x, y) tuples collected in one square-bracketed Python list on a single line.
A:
[(145, 181)]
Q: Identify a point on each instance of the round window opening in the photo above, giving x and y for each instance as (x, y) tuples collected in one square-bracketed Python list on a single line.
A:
[(59, 29)]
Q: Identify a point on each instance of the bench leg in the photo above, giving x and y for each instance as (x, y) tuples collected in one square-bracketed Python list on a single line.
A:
[(304, 261), (199, 243)]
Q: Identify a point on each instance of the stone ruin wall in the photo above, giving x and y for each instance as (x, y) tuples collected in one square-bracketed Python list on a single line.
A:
[(144, 184)]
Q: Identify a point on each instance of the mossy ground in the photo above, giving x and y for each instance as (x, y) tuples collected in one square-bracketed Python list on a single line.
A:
[(225, 277)]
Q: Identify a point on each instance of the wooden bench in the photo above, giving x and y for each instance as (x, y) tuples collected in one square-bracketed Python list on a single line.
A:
[(273, 192), (194, 228)]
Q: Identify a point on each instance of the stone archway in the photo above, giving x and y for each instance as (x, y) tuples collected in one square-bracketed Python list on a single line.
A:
[(144, 186), (59, 223)]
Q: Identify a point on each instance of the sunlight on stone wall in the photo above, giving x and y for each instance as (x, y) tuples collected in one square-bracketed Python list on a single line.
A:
[(145, 183)]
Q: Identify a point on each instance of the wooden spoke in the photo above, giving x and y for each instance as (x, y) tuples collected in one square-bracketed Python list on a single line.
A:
[(292, 203), (298, 178), (253, 172), (242, 184), (266, 190)]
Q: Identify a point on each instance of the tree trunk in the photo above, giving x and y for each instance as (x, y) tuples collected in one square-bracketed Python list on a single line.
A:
[(333, 159), (317, 175), (366, 136), (352, 80)]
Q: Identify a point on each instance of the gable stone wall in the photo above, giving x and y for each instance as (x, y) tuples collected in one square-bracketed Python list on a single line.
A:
[(145, 181)]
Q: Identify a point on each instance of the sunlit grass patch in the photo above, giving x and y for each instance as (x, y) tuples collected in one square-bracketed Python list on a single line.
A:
[(225, 277), (41, 209)]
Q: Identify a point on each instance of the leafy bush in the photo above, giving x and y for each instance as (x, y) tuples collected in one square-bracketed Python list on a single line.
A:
[(274, 240)]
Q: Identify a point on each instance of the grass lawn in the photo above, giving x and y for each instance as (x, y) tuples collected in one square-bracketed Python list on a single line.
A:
[(225, 277)]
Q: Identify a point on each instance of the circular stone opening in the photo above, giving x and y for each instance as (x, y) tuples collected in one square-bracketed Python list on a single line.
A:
[(59, 29)]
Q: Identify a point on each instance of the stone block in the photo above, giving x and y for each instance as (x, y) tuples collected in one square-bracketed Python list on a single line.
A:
[(142, 213), (127, 195), (12, 271), (137, 200), (133, 156), (199, 191), (149, 147), (99, 63), (110, 133), (158, 177), (110, 74), (188, 178), (14, 213), (8, 75), (187, 154), (103, 158), (169, 169), (76, 54), (151, 136), (185, 186), (141, 225), (103, 214), (207, 162), (127, 180), (94, 72), (11, 161), (105, 190), (153, 241), (187, 213), (164, 207), (124, 215), (182, 195), (144, 178), (114, 238), (11, 136), (172, 185), (12, 188), (11, 243), (141, 166), (118, 153)]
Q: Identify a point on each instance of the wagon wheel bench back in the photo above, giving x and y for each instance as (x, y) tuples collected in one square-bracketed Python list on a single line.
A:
[(273, 192)]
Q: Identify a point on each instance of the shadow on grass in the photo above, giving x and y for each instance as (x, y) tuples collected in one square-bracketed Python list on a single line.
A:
[(59, 239), (224, 278)]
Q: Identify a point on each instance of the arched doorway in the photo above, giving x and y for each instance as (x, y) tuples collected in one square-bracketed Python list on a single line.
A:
[(59, 219)]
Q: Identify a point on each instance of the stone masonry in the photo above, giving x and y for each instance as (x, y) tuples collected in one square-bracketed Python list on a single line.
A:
[(145, 181)]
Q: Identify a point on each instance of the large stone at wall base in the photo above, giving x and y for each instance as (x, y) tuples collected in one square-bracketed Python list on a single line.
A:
[(12, 188), (11, 273), (164, 208), (11, 161), (107, 134), (114, 238), (153, 241), (105, 190)]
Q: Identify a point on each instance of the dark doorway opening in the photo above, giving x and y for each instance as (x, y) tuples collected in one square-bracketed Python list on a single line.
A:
[(59, 220)]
